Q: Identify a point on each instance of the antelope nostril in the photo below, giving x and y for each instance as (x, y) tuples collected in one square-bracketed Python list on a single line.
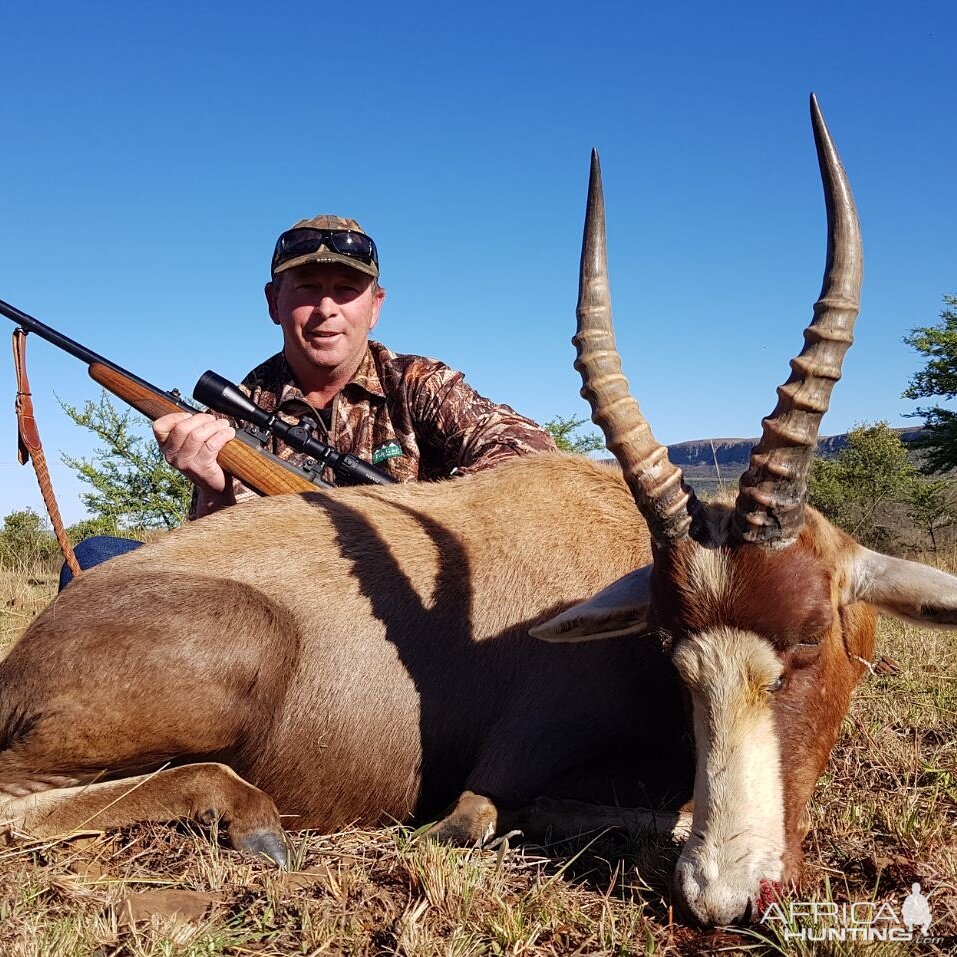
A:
[(684, 889), (748, 914), (685, 912)]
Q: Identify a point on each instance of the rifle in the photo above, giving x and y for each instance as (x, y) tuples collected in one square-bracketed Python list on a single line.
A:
[(246, 456)]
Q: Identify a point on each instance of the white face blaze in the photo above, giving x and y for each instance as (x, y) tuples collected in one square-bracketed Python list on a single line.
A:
[(737, 836)]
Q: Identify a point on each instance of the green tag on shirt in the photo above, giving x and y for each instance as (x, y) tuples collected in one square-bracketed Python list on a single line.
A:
[(389, 450)]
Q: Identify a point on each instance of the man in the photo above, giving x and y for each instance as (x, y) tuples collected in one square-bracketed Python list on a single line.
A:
[(412, 417)]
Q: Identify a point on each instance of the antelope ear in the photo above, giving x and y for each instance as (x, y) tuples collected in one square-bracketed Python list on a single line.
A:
[(619, 609), (908, 590)]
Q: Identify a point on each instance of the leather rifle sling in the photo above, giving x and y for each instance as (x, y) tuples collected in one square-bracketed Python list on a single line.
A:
[(29, 447)]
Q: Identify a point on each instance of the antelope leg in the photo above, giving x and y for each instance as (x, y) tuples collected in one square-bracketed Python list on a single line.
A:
[(202, 792)]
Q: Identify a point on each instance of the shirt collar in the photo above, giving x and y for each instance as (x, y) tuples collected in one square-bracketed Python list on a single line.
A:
[(367, 375)]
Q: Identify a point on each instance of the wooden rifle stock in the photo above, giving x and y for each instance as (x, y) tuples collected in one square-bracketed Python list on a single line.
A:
[(266, 475)]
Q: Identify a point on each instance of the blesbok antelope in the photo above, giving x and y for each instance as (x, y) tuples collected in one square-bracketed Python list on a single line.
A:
[(365, 654)]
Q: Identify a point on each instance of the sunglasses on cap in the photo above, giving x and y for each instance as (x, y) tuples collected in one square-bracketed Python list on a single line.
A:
[(305, 240)]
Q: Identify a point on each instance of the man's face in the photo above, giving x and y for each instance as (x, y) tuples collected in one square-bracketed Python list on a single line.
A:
[(325, 311)]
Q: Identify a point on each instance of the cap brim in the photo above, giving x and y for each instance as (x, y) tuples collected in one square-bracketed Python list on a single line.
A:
[(322, 256)]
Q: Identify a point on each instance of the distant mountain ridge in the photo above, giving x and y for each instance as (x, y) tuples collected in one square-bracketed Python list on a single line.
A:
[(697, 457)]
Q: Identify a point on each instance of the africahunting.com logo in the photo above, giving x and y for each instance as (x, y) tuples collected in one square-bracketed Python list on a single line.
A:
[(861, 921)]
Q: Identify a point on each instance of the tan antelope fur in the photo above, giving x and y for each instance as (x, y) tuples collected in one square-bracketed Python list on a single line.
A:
[(365, 655)]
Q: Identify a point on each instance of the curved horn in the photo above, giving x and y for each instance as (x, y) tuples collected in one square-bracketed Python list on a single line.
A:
[(770, 505), (665, 501)]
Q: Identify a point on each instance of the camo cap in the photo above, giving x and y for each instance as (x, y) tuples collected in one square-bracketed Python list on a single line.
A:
[(325, 254)]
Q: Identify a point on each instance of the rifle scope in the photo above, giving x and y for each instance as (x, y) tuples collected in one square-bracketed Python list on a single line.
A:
[(222, 396)]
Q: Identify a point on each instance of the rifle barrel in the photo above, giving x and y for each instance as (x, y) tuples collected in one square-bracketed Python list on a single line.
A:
[(81, 352)]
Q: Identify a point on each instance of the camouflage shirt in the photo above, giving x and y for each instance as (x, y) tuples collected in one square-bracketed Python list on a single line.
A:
[(412, 417)]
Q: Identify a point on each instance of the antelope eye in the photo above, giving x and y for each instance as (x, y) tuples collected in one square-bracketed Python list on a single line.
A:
[(776, 685)]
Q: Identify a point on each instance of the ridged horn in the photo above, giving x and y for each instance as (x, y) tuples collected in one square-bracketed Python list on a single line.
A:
[(770, 505), (658, 487)]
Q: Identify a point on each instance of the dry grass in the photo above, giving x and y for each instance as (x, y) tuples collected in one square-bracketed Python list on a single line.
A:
[(885, 814), (24, 590)]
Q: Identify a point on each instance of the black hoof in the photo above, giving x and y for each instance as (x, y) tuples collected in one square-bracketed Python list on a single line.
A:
[(266, 844)]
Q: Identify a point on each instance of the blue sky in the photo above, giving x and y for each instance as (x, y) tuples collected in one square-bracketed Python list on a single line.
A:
[(151, 156)]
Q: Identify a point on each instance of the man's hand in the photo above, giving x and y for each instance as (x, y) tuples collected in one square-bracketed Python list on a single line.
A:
[(190, 443)]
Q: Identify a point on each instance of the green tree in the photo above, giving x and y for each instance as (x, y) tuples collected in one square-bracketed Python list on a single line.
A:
[(825, 489), (938, 379), (859, 488), (132, 485), (932, 507), (26, 539), (561, 429)]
